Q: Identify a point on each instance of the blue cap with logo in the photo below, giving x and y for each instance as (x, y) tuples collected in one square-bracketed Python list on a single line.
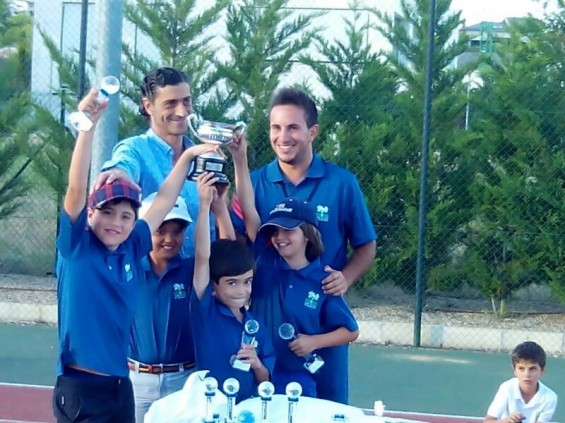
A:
[(290, 214)]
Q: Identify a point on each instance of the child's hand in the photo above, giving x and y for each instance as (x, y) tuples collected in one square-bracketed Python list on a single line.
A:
[(515, 417), (238, 147), (248, 354), (302, 345), (206, 189), (91, 106), (221, 199)]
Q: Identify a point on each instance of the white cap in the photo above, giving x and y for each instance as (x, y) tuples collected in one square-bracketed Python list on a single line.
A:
[(178, 212)]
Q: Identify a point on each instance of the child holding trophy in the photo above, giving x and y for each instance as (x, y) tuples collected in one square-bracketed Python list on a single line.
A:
[(229, 341), (287, 291)]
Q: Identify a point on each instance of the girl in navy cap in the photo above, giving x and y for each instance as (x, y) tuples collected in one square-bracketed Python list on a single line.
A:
[(287, 290)]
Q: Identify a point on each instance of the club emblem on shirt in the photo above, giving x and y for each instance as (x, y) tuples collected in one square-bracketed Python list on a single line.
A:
[(322, 213), (129, 274), (312, 300), (178, 291)]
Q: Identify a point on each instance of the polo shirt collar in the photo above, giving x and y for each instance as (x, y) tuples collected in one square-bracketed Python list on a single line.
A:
[(173, 263), (313, 268), (315, 170), (225, 310)]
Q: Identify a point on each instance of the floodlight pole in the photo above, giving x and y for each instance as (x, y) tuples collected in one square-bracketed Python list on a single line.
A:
[(422, 212), (110, 21)]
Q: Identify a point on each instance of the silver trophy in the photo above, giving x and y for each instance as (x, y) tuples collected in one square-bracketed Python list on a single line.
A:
[(266, 391), (231, 388), (211, 386), (312, 362), (210, 132), (293, 391), (250, 328)]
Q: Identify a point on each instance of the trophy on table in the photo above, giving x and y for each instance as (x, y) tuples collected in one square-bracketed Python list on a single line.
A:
[(210, 386), (293, 391), (210, 132), (231, 388), (312, 361), (266, 391), (80, 121), (250, 328)]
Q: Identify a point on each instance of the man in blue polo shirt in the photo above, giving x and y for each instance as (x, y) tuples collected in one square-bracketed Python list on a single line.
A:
[(342, 214), (146, 159), (161, 347)]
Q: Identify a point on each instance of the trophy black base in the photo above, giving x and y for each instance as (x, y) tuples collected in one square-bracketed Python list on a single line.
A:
[(210, 163)]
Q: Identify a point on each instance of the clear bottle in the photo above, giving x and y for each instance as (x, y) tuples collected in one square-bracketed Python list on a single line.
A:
[(108, 86)]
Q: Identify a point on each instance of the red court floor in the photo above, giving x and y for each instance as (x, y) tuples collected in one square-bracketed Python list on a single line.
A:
[(30, 403)]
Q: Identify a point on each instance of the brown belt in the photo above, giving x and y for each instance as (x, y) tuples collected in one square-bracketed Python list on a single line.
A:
[(156, 369)]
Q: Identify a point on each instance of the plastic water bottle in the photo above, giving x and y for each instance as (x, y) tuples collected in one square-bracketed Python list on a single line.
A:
[(108, 86)]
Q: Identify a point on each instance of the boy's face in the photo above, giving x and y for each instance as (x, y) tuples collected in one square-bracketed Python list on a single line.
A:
[(113, 223), (528, 373), (167, 240), (234, 291)]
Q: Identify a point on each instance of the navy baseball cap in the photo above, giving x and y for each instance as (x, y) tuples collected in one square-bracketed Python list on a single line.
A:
[(290, 214), (118, 189)]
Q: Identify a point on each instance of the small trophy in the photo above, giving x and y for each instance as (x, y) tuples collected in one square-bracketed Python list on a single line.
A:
[(250, 328), (231, 388), (210, 132), (312, 362), (108, 86), (293, 391), (211, 386), (266, 391)]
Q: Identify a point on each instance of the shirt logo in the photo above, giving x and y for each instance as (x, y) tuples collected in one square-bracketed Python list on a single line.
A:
[(322, 213), (129, 274), (312, 300), (178, 291)]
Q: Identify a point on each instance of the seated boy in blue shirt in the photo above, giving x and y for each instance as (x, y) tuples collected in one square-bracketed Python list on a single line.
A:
[(219, 309), (100, 248), (524, 398)]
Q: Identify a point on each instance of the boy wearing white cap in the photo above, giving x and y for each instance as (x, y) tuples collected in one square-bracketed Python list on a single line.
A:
[(161, 347)]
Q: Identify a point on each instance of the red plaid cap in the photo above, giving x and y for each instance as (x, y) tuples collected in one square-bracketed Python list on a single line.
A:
[(118, 189)]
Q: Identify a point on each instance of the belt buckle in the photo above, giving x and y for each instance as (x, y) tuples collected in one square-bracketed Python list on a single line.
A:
[(160, 367)]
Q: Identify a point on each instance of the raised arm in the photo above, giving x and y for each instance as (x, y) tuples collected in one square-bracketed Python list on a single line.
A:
[(220, 209), (170, 188), (206, 193), (75, 197), (243, 186)]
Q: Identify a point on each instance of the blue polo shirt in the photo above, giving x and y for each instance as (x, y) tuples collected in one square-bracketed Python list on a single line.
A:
[(148, 160), (287, 295), (217, 336), (97, 296), (343, 218), (161, 330)]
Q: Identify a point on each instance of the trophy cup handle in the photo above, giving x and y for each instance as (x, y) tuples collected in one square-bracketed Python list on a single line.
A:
[(189, 119)]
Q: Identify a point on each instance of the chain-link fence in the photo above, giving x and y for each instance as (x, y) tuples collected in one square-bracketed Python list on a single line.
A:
[(495, 201)]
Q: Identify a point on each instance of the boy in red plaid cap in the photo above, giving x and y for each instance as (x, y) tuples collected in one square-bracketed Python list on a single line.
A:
[(100, 248)]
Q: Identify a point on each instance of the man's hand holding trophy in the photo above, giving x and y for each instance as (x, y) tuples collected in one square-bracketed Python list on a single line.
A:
[(217, 133)]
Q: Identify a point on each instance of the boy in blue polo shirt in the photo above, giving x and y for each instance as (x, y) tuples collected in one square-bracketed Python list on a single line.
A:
[(161, 347), (100, 248), (223, 276)]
